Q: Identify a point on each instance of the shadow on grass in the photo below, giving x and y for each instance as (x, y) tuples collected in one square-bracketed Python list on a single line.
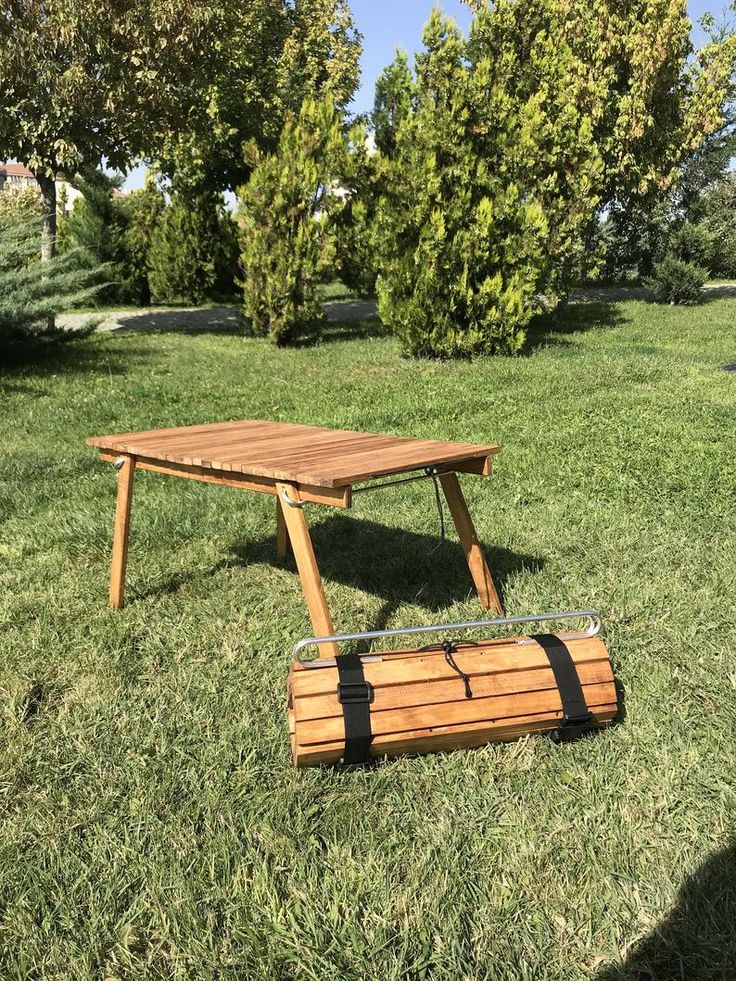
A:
[(576, 318), (70, 357), (329, 331), (697, 939), (398, 565)]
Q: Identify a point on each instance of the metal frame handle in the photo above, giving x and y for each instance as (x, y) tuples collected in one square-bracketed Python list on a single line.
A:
[(290, 500), (592, 616)]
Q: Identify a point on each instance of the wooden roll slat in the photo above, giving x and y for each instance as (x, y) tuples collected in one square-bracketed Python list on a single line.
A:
[(419, 703)]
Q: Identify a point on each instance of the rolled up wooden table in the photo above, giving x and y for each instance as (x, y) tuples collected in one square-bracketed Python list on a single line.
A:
[(449, 695)]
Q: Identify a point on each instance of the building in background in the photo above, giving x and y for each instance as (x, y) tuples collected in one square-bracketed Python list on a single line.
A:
[(17, 177)]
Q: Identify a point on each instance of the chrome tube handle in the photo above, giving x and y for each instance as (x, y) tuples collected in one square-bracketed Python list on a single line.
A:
[(592, 616)]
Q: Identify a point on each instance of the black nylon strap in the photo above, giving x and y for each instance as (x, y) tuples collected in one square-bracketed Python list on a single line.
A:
[(355, 695), (576, 714)]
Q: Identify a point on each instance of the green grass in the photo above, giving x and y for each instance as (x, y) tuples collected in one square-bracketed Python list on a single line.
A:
[(151, 823)]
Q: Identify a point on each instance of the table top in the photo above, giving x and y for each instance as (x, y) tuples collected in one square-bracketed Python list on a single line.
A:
[(290, 452)]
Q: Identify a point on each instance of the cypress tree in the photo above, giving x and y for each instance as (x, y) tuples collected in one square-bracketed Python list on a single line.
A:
[(193, 251), (32, 291), (287, 241)]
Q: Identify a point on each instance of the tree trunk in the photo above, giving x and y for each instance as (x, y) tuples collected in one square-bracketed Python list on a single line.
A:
[(48, 217), (48, 227)]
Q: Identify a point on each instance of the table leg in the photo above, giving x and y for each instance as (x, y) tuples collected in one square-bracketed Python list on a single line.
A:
[(469, 539), (125, 473), (282, 534), (306, 563)]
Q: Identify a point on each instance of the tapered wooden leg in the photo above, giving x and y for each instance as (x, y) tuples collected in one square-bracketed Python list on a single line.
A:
[(282, 535), (306, 563), (120, 536), (469, 540)]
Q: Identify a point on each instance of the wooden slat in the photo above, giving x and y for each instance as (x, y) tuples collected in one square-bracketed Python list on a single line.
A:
[(403, 667), (446, 738), (433, 693), (339, 497), (476, 710), (294, 453)]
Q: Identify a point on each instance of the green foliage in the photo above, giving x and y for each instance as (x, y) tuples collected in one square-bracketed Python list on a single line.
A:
[(287, 245), (692, 243), (270, 56), (516, 141), (67, 99), (679, 275), (677, 281), (32, 291), (393, 102), (193, 251), (83, 82), (20, 205), (719, 217), (354, 222), (461, 248), (638, 231), (143, 209), (97, 227)]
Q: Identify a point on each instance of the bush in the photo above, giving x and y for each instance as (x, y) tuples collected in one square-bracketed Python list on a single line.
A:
[(461, 249), (32, 292), (287, 244), (692, 243), (96, 226), (354, 221), (193, 251), (143, 208), (675, 280)]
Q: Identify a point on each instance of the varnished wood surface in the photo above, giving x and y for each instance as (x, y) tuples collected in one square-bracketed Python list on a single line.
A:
[(282, 451), (419, 702)]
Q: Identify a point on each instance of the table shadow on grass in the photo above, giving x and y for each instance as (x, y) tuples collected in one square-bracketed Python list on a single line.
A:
[(697, 939), (398, 565)]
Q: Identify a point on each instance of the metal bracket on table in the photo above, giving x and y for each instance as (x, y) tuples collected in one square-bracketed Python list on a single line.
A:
[(592, 616), (119, 462), (290, 500), (429, 472)]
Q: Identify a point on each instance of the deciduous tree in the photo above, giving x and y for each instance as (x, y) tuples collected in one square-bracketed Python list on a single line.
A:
[(85, 81), (517, 138)]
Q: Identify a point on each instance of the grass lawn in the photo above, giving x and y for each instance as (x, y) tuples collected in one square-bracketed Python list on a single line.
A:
[(151, 823)]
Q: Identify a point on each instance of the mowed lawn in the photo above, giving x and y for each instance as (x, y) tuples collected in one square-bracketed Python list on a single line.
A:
[(152, 824)]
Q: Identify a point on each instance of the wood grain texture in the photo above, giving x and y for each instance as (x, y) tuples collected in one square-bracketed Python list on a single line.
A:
[(477, 564), (304, 455), (121, 532), (306, 563), (337, 497), (419, 702), (282, 533)]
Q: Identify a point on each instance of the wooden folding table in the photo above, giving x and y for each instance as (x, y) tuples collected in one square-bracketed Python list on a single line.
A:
[(298, 464)]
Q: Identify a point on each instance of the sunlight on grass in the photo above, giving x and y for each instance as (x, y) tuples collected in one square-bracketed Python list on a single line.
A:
[(152, 823)]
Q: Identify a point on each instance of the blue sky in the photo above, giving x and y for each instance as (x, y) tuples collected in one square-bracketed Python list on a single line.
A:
[(390, 24)]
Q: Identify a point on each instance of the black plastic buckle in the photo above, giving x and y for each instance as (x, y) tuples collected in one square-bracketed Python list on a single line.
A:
[(354, 692), (572, 727)]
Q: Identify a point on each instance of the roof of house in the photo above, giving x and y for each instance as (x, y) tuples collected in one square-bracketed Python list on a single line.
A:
[(15, 170)]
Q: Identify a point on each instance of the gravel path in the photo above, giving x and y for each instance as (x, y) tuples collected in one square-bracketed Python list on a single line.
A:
[(197, 319)]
